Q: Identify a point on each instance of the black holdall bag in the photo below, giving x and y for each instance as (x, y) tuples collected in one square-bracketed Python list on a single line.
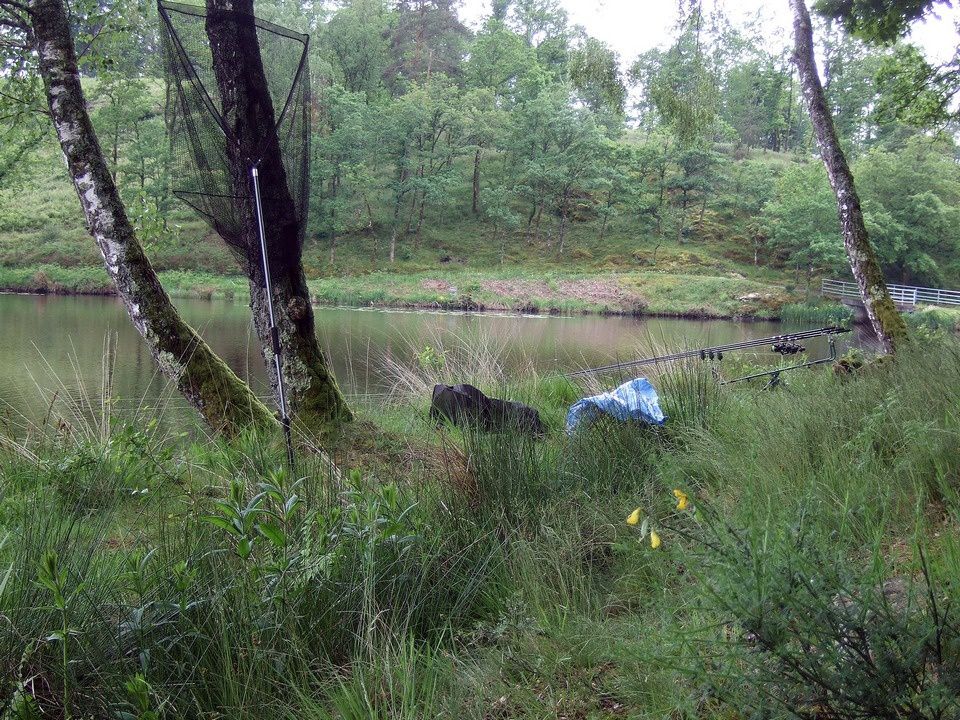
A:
[(465, 405)]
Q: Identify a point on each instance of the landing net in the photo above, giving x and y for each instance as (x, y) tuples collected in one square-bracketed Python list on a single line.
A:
[(224, 117)]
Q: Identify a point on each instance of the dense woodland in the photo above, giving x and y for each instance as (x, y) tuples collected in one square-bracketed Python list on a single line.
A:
[(512, 136)]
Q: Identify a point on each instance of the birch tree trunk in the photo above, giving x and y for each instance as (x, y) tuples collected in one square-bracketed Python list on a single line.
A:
[(315, 398), (225, 401), (881, 311)]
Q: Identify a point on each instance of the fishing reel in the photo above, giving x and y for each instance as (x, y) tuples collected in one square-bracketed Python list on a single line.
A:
[(788, 348)]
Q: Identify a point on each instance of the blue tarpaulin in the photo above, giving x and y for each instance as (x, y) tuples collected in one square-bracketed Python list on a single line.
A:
[(634, 400)]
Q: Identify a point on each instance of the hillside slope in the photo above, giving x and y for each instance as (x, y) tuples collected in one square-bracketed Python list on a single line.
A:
[(625, 266)]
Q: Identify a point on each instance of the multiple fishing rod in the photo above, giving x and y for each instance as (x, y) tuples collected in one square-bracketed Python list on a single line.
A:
[(784, 344)]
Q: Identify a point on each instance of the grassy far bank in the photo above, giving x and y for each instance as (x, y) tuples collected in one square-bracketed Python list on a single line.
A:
[(623, 267), (494, 576), (637, 292)]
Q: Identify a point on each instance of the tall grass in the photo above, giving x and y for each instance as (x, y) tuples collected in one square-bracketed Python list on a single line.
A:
[(204, 580), (824, 312)]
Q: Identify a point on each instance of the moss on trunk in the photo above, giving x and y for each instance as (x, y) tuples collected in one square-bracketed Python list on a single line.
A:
[(225, 401), (881, 310)]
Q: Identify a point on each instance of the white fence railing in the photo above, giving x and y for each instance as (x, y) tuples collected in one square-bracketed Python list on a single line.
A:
[(902, 294)]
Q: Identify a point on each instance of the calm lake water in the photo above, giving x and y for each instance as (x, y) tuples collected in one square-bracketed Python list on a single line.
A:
[(54, 344)]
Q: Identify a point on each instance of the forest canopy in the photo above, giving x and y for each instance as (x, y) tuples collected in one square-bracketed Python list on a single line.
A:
[(531, 139)]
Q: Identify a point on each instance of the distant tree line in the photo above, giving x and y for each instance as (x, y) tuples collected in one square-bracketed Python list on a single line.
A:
[(529, 126)]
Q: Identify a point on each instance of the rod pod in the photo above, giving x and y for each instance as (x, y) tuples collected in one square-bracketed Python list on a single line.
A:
[(274, 333)]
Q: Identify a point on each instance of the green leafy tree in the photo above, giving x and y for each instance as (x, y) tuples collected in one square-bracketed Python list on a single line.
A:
[(912, 208), (651, 167), (422, 134), (914, 90), (577, 168), (614, 181), (801, 223), (356, 41), (498, 59), (877, 20), (426, 38), (340, 152), (694, 180), (484, 122), (438, 140), (758, 102), (849, 71), (123, 104), (557, 150), (594, 71), (497, 203), (144, 167), (750, 185), (544, 26), (398, 122), (681, 84)]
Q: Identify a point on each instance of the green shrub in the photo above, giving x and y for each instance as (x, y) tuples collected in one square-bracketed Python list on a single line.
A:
[(813, 632)]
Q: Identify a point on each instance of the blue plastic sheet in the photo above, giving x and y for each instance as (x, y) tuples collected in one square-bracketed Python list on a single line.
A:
[(634, 400)]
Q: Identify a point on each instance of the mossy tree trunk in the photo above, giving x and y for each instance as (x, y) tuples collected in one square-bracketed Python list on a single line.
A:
[(225, 401), (881, 311), (315, 398)]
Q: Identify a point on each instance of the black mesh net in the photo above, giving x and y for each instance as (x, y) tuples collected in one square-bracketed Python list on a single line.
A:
[(238, 95)]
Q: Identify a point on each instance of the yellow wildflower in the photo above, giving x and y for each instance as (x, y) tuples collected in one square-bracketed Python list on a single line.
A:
[(634, 517), (682, 499), (654, 539)]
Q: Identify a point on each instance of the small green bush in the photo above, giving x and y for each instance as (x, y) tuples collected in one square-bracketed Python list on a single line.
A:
[(813, 632)]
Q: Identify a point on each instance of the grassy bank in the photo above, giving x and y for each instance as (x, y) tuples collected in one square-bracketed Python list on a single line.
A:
[(626, 293), (625, 265), (630, 293), (494, 575)]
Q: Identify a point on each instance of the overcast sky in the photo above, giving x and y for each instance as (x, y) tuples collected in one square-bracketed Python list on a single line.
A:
[(633, 26)]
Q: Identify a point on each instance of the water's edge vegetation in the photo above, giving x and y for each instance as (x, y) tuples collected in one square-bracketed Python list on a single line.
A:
[(557, 293), (154, 574)]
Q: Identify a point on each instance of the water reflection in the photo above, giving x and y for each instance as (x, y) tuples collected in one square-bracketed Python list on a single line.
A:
[(57, 343)]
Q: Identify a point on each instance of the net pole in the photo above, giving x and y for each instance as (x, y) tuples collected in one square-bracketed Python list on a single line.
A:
[(274, 333)]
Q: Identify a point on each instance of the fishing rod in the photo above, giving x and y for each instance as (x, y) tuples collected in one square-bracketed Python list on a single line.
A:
[(717, 351), (775, 373)]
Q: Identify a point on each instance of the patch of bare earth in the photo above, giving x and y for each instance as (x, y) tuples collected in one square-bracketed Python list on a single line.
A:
[(436, 285), (521, 289), (603, 293)]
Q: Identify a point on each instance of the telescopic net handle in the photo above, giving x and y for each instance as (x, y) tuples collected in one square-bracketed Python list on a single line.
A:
[(274, 332)]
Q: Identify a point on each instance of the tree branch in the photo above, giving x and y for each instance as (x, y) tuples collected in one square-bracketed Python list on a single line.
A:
[(18, 6), (18, 24), (92, 41), (14, 98)]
